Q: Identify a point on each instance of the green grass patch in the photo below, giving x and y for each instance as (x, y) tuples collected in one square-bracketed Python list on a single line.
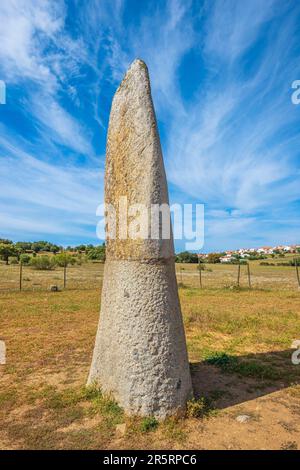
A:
[(232, 364), (104, 405), (173, 429), (149, 424)]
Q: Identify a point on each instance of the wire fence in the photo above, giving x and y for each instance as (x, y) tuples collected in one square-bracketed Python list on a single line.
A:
[(250, 276), (21, 277), (90, 276)]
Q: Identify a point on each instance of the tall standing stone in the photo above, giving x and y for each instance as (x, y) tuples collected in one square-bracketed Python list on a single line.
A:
[(140, 354)]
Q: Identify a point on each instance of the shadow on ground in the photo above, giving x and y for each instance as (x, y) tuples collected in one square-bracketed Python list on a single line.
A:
[(230, 380)]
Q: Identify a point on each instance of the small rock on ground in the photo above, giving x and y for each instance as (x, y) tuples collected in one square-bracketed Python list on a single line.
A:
[(242, 418), (121, 429)]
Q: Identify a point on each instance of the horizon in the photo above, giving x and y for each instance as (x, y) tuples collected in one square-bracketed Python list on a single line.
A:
[(100, 242), (222, 75)]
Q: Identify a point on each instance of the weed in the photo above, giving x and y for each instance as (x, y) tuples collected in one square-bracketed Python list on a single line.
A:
[(200, 408), (148, 424), (290, 445), (174, 429)]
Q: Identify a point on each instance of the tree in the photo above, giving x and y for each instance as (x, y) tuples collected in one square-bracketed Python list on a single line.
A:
[(24, 258), (44, 246), (64, 259), (213, 258), (186, 257), (6, 241), (23, 246), (54, 248), (80, 248), (7, 250), (96, 253), (38, 246)]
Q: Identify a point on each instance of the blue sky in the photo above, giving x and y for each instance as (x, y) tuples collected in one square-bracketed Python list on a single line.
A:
[(221, 74)]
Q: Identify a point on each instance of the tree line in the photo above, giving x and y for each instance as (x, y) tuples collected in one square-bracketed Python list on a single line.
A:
[(43, 253), (213, 258)]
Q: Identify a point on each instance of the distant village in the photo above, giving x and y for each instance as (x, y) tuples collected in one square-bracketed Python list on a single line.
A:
[(244, 253)]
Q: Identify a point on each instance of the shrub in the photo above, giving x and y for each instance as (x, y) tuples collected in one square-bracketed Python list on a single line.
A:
[(13, 260), (199, 408), (265, 263), (149, 424), (294, 262), (42, 263), (213, 258), (186, 257), (80, 259), (238, 261)]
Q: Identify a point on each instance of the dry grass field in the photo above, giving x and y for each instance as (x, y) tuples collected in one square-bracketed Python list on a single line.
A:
[(89, 275), (239, 347)]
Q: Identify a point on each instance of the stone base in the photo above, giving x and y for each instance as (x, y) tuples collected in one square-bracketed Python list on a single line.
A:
[(140, 353)]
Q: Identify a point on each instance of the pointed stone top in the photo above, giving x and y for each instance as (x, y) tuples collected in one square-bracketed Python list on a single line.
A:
[(137, 71), (137, 63), (134, 164)]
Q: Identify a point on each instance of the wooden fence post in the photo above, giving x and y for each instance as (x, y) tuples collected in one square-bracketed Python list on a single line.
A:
[(239, 275), (20, 278), (249, 275), (200, 274), (65, 274), (297, 271)]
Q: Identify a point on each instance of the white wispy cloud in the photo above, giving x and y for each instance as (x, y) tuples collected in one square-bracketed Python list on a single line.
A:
[(36, 48), (227, 153), (233, 26), (42, 190), (26, 26), (47, 195), (63, 128)]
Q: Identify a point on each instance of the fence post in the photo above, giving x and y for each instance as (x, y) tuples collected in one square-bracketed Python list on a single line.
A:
[(249, 275), (239, 274), (181, 278), (200, 274), (65, 274), (297, 271), (20, 278)]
